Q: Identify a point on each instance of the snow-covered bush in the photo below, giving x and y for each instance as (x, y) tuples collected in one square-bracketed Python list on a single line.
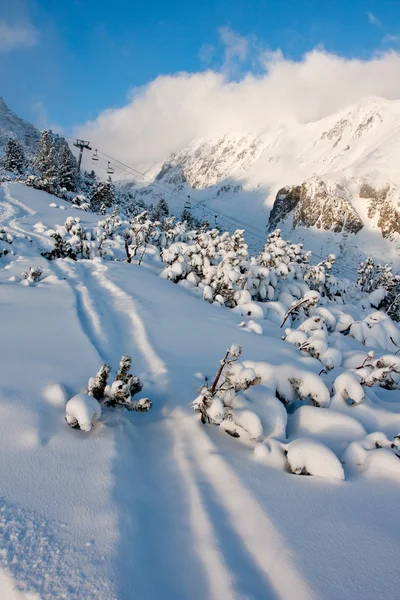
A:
[(81, 411), (383, 286), (122, 390), (33, 274), (62, 249), (6, 239), (308, 457), (221, 403)]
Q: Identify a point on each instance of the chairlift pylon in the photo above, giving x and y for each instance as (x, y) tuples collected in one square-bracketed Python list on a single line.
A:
[(94, 155), (110, 170)]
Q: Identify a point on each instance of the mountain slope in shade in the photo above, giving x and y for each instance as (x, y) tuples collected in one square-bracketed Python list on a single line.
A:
[(13, 126)]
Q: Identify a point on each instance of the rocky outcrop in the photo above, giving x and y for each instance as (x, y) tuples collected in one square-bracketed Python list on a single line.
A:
[(383, 204), (316, 203)]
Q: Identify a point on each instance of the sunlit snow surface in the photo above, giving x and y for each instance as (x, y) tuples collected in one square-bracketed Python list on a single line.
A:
[(157, 505)]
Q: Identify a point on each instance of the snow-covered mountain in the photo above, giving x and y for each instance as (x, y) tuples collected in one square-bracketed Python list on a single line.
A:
[(338, 175), (13, 126)]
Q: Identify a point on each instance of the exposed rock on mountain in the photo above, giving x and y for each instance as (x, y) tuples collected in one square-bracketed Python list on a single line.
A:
[(13, 126), (203, 164), (316, 203), (384, 203)]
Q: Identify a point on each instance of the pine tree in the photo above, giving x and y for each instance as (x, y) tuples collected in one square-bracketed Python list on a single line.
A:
[(46, 162), (161, 210), (62, 249), (187, 217), (14, 159), (103, 193), (68, 167)]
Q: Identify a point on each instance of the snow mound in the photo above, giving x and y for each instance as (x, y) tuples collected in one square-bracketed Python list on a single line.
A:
[(82, 410), (308, 457)]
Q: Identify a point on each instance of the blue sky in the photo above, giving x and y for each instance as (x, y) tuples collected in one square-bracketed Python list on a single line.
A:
[(64, 61)]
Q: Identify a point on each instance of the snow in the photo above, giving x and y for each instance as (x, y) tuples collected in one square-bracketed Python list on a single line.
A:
[(313, 458), (157, 504), (82, 410)]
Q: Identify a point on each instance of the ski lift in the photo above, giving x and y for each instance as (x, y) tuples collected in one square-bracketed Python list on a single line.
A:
[(110, 170), (94, 155), (188, 206)]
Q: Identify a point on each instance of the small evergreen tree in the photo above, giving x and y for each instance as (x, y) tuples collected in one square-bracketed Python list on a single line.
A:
[(45, 162), (14, 159), (186, 217), (103, 194), (62, 249), (161, 210), (68, 167)]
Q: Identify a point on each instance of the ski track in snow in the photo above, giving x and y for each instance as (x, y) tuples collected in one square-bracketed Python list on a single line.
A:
[(267, 556), (248, 521), (195, 548)]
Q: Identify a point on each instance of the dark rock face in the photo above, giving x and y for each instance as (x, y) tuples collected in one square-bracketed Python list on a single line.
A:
[(315, 204), (285, 202), (384, 203)]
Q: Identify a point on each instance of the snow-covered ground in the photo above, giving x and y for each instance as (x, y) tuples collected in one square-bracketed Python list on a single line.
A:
[(157, 505)]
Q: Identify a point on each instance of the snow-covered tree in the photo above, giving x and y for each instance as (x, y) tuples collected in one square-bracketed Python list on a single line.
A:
[(121, 391), (103, 194), (97, 384), (160, 211), (67, 166), (373, 277), (62, 249), (216, 402), (14, 158)]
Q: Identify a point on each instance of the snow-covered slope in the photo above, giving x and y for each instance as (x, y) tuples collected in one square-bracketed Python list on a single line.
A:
[(157, 505), (13, 126), (353, 154)]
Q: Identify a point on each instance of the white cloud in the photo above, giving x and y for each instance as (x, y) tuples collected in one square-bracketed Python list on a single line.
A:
[(389, 38), (206, 53), (171, 111), (17, 36), (373, 19), (40, 117), (236, 48)]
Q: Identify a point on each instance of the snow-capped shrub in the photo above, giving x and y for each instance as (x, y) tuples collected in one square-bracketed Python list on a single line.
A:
[(220, 404), (82, 410), (289, 382), (382, 285), (6, 239), (308, 457), (122, 390), (375, 453), (348, 388), (33, 275)]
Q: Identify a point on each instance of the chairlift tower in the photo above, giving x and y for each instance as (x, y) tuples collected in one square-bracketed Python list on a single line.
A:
[(82, 145)]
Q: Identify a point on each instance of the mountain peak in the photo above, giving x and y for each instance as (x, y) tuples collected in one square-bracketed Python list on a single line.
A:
[(13, 126)]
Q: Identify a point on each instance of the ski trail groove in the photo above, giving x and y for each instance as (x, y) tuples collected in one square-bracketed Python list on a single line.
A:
[(124, 304), (87, 314), (258, 533), (204, 542)]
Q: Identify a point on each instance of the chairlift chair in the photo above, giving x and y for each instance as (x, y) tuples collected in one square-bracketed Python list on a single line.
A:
[(110, 170), (188, 206), (94, 155)]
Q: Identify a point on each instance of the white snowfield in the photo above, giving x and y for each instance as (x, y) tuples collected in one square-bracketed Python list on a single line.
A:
[(157, 506)]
